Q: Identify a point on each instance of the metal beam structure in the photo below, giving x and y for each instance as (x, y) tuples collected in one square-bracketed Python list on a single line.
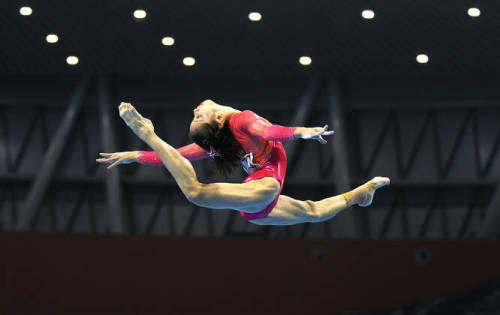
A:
[(119, 223), (166, 214), (353, 221), (41, 183), (427, 152), (300, 118)]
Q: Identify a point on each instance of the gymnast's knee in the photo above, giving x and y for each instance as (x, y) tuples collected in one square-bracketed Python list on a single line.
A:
[(269, 189), (193, 193)]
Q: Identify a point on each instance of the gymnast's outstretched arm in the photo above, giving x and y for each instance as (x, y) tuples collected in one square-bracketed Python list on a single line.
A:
[(191, 152), (194, 152), (260, 128)]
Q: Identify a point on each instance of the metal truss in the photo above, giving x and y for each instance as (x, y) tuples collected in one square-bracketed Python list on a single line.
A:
[(430, 127), (45, 172), (443, 174)]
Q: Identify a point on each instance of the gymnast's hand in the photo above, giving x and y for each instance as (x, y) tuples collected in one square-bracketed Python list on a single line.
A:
[(315, 133), (118, 158), (141, 126)]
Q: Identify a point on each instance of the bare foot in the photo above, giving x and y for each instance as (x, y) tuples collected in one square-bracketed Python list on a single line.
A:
[(363, 195), (141, 126)]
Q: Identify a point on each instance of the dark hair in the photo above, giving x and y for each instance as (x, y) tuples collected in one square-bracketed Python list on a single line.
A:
[(223, 141)]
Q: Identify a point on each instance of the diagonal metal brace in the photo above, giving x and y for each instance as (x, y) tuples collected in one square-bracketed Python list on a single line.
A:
[(46, 171)]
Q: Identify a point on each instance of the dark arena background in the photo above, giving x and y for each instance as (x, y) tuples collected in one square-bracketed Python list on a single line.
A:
[(411, 88)]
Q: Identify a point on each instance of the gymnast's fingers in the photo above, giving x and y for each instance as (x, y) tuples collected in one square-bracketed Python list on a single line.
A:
[(114, 164), (323, 132), (105, 160), (321, 140), (105, 154)]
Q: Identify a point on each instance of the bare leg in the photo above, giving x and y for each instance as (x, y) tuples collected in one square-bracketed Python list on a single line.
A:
[(249, 197), (292, 211)]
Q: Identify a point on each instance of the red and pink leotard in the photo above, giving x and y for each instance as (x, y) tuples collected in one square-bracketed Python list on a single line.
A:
[(257, 136)]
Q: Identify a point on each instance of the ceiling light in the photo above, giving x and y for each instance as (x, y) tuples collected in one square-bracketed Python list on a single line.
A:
[(167, 41), (422, 58), (254, 16), (189, 61), (25, 11), (304, 60), (139, 14), (52, 38), (368, 14), (72, 60), (474, 12)]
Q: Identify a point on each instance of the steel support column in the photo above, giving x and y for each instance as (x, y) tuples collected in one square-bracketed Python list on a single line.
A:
[(352, 224), (119, 223), (41, 183), (300, 118)]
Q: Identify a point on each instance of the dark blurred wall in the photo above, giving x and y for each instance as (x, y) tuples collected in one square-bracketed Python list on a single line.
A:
[(48, 273)]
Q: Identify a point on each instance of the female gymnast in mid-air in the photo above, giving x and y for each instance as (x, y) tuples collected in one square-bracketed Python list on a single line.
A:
[(231, 137)]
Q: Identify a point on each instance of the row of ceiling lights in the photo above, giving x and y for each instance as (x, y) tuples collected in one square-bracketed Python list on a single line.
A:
[(369, 14), (252, 16), (421, 58)]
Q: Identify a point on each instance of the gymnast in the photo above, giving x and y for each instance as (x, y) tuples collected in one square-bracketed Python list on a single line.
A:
[(231, 137)]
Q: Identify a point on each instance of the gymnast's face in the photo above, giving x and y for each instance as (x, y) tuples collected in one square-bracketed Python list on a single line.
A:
[(204, 113)]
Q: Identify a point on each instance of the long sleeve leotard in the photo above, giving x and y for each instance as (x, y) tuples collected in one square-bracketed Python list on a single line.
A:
[(255, 134)]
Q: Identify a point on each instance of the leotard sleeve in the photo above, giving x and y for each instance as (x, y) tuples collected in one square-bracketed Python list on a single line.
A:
[(256, 126), (192, 152)]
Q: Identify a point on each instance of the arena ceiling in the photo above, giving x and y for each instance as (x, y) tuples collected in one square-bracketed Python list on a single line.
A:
[(219, 35)]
